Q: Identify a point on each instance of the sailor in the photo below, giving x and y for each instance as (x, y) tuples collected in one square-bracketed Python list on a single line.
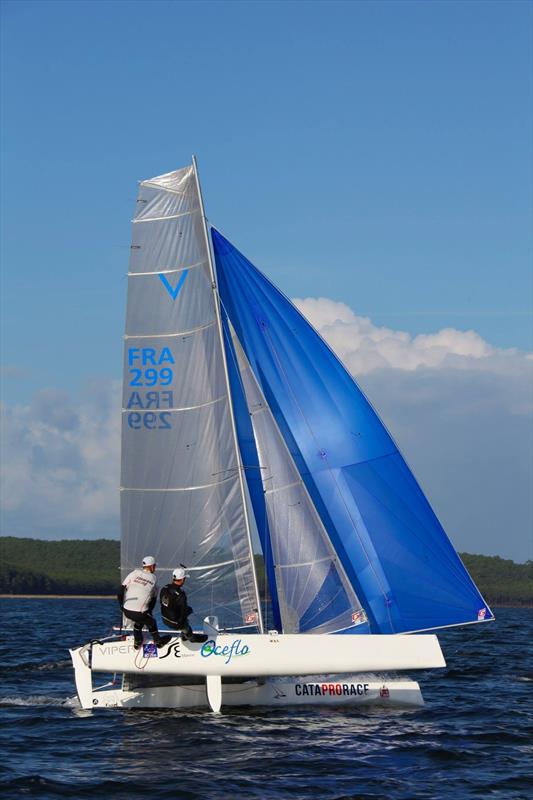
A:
[(174, 607), (137, 597)]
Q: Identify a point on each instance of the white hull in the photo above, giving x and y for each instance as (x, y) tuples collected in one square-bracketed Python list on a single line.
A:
[(263, 655), (328, 691), (248, 669)]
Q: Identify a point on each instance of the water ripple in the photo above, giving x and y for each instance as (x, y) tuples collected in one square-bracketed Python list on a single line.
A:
[(471, 740)]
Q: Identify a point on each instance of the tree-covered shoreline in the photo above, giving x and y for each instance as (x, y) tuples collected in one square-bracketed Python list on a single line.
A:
[(91, 567)]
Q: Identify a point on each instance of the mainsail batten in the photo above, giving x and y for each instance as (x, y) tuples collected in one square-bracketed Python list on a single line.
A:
[(394, 550)]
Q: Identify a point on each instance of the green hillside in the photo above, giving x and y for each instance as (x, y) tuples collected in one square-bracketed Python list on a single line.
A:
[(79, 566), (500, 580), (70, 566)]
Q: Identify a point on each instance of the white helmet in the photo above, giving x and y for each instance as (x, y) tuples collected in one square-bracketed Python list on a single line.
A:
[(148, 561), (179, 574)]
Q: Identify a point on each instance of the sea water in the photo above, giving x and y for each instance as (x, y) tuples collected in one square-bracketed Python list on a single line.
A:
[(472, 739)]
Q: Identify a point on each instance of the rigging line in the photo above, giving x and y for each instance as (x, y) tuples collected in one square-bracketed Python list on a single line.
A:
[(354, 525)]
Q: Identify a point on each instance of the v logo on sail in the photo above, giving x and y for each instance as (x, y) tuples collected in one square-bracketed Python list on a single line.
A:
[(168, 286)]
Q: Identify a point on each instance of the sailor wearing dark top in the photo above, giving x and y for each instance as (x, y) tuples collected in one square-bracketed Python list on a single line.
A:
[(137, 597), (174, 607)]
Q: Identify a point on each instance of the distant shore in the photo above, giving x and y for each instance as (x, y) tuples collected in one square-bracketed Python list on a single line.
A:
[(58, 596), (114, 597)]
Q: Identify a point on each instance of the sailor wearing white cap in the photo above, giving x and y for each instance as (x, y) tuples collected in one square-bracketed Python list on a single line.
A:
[(137, 597), (174, 607)]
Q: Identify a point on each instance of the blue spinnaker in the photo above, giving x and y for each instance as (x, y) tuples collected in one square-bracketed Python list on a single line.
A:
[(397, 556)]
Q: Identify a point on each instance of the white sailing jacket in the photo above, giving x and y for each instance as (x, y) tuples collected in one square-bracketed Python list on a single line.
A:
[(141, 588)]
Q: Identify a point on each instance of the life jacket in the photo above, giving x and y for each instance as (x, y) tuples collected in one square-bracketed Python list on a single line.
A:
[(174, 608)]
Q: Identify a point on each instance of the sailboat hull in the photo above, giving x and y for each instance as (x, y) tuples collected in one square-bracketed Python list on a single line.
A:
[(266, 655), (255, 670), (360, 691)]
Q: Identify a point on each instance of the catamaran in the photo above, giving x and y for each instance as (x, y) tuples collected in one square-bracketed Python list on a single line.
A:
[(243, 433)]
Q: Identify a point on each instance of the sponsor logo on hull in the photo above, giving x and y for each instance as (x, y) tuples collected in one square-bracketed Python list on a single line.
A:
[(331, 689), (116, 649), (227, 651)]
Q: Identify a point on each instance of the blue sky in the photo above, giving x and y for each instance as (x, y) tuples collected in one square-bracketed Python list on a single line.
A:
[(376, 154)]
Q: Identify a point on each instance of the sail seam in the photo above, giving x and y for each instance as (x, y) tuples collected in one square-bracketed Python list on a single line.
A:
[(164, 188), (177, 488), (306, 563), (158, 271), (160, 219), (170, 335), (282, 488), (212, 566), (204, 566), (181, 408)]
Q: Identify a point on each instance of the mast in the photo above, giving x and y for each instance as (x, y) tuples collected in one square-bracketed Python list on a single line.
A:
[(216, 299)]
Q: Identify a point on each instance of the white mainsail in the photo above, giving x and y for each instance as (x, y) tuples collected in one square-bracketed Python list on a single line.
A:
[(181, 488)]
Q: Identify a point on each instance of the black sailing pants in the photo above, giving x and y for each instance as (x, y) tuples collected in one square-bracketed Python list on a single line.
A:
[(185, 628), (141, 619)]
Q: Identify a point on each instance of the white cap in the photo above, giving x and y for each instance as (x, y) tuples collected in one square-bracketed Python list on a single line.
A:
[(148, 561), (179, 573)]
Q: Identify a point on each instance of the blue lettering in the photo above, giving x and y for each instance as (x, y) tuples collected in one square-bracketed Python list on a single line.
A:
[(148, 355), (166, 355), (166, 400), (150, 419), (133, 355), (135, 401), (152, 400), (135, 381)]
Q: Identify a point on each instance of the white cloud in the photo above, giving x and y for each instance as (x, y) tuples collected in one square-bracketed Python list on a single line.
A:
[(60, 464), (364, 346), (460, 410)]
